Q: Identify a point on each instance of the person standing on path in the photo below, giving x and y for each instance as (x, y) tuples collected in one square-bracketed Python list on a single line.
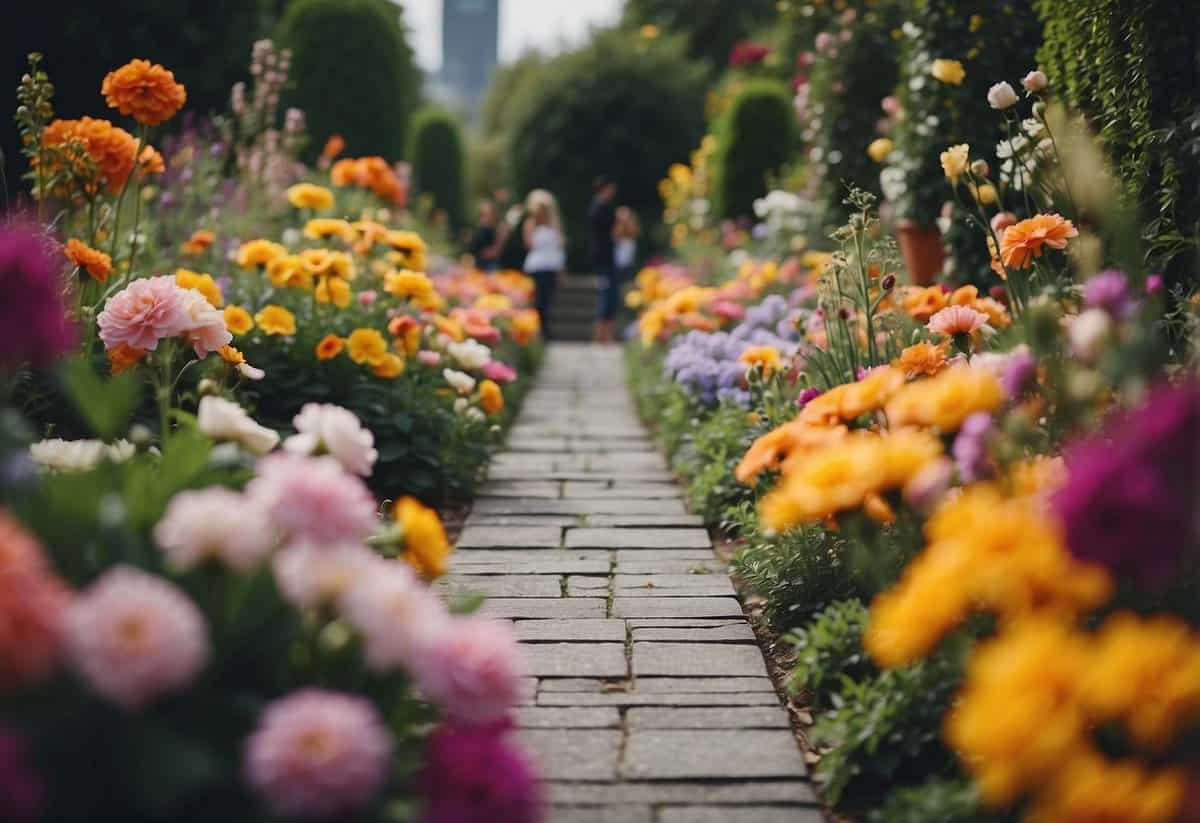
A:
[(601, 220), (546, 257), (488, 239)]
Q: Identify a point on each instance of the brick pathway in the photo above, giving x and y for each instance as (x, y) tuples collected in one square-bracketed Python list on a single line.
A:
[(649, 701)]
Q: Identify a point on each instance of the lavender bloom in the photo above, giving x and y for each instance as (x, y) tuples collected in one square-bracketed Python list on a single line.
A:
[(1018, 372), (1109, 290), (970, 448)]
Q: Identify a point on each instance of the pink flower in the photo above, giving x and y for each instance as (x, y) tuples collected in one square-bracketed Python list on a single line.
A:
[(890, 105), (474, 773), (318, 754), (954, 320), (729, 310), (474, 672), (207, 331), (144, 312), (366, 298), (429, 358), (1002, 220), (398, 617), (309, 575), (134, 637), (215, 523), (500, 372), (323, 428), (313, 498), (33, 608)]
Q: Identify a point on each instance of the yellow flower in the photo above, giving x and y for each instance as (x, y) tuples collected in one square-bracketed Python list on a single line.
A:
[(238, 320), (231, 355), (766, 357), (276, 320), (289, 272), (790, 441), (985, 194), (921, 359), (259, 252), (425, 545), (321, 227), (870, 393), (1088, 788), (490, 397), (408, 284), (493, 302), (955, 161), (330, 347), (203, 283), (649, 31), (310, 196), (880, 148), (366, 346), (948, 71), (333, 290), (389, 366), (945, 400)]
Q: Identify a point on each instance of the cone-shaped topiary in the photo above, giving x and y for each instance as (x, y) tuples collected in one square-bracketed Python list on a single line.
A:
[(757, 137), (353, 73), (436, 153)]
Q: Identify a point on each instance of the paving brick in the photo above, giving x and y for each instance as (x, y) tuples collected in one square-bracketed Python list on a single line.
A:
[(636, 698), (676, 607), (627, 520), (510, 537), (573, 717), (666, 585), (543, 607), (650, 491), (729, 633), (616, 538), (601, 814), (575, 659), (683, 660), (675, 754), (508, 585), (575, 754), (742, 814), (791, 792), (725, 717), (574, 631), (521, 489)]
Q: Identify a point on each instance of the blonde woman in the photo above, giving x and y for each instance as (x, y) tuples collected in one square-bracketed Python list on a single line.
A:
[(546, 257)]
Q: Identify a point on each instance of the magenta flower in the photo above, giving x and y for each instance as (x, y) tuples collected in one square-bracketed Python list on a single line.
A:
[(22, 792), (478, 773), (34, 326), (1109, 290)]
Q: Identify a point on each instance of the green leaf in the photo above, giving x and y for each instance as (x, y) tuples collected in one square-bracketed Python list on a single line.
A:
[(105, 404)]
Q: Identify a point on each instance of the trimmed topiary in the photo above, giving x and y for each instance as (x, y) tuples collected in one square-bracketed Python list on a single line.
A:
[(353, 73), (757, 138), (439, 163)]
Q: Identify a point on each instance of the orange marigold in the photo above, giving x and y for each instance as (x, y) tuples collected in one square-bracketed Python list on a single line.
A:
[(150, 162), (775, 447), (95, 152), (923, 303), (490, 397), (199, 242), (330, 347), (145, 91), (334, 146), (96, 263), (123, 357), (1024, 241), (922, 359)]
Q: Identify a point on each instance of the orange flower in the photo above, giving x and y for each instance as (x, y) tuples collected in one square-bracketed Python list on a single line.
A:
[(94, 151), (144, 90), (765, 356), (150, 162), (199, 242), (123, 357), (258, 252), (94, 262), (924, 303), (922, 359), (330, 347), (334, 146), (1024, 241), (775, 447), (490, 397), (201, 282), (231, 355), (389, 366), (238, 320)]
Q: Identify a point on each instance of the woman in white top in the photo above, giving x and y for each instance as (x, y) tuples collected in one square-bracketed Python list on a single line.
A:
[(547, 257)]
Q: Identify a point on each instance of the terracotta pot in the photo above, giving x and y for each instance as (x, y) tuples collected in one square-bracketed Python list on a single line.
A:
[(922, 249)]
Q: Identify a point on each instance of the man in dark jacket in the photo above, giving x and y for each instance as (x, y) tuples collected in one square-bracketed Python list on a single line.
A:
[(601, 218)]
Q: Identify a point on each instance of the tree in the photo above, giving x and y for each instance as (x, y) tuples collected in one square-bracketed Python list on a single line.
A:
[(436, 153), (623, 107), (488, 152), (710, 27), (756, 137), (353, 73)]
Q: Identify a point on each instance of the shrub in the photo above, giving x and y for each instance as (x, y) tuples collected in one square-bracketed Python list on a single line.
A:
[(710, 27), (707, 455), (354, 73), (436, 154), (935, 801), (829, 650), (1131, 67), (756, 137), (621, 106)]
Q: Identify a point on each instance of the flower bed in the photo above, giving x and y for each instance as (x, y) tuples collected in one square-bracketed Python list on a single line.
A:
[(969, 511), (220, 445)]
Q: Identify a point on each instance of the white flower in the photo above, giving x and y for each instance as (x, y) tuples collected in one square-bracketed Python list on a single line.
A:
[(459, 381), (1001, 96), (461, 404), (223, 419), (326, 428), (1035, 81), (1086, 333), (473, 413), (250, 372), (290, 237), (56, 454), (215, 523), (398, 617), (470, 354)]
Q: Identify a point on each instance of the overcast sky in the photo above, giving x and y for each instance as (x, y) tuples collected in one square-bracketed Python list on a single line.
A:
[(524, 24)]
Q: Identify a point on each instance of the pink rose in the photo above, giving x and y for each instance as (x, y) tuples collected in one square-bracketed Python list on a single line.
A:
[(144, 312), (207, 331), (500, 372)]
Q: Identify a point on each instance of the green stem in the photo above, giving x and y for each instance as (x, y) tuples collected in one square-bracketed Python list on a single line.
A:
[(121, 200)]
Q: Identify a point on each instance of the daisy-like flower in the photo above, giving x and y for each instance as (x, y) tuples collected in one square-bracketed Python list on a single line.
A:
[(1024, 241), (954, 320), (223, 419), (67, 456), (134, 637)]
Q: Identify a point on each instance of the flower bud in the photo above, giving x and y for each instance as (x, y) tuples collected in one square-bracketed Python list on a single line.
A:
[(1001, 96), (1039, 110), (1035, 81), (888, 283), (141, 436), (979, 168)]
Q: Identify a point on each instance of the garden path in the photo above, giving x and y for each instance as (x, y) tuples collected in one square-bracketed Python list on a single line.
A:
[(648, 700)]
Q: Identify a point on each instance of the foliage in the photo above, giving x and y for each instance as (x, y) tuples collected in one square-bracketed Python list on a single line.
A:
[(934, 801), (707, 456), (436, 153), (1132, 68), (487, 150), (756, 138), (829, 649), (710, 27), (354, 73), (621, 107), (886, 729)]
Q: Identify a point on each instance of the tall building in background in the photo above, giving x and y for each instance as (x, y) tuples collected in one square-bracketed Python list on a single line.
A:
[(470, 37)]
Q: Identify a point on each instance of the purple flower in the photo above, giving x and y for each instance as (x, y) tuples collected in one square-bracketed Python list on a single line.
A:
[(34, 327), (1018, 372), (1154, 284), (1130, 498), (971, 447), (1109, 290), (478, 773), (21, 789), (807, 396)]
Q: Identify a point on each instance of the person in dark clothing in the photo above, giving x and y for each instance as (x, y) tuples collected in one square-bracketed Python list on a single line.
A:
[(601, 218), (488, 240)]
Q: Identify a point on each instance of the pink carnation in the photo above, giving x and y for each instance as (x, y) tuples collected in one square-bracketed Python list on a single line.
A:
[(318, 754), (134, 637), (954, 320), (429, 358), (313, 498), (399, 618), (474, 672), (144, 312), (308, 575), (215, 523), (207, 331), (499, 371)]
